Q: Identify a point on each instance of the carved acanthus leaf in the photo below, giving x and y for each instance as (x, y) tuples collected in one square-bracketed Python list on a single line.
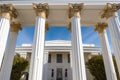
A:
[(75, 9), (8, 9), (15, 27), (110, 10), (100, 27), (41, 8)]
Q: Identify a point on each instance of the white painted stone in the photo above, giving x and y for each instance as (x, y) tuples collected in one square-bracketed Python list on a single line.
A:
[(107, 57), (8, 57), (36, 66), (4, 31), (114, 28), (70, 73), (63, 48), (45, 71), (54, 65), (78, 65)]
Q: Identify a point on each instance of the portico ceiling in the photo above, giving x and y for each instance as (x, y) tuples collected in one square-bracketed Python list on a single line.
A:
[(58, 11)]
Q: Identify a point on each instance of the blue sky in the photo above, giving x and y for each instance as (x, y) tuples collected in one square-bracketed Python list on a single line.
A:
[(89, 36)]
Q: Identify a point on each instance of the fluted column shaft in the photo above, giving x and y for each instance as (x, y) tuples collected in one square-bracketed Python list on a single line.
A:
[(106, 52), (36, 65), (78, 63), (38, 49), (107, 57), (114, 28), (9, 52), (45, 72), (4, 31), (110, 12), (6, 14)]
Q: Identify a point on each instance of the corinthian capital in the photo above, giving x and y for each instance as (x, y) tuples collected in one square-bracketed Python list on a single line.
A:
[(75, 9), (100, 27), (110, 10), (41, 9), (46, 26), (15, 26), (8, 11)]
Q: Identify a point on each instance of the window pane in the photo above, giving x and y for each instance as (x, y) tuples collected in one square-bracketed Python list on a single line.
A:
[(49, 58), (68, 58), (59, 58)]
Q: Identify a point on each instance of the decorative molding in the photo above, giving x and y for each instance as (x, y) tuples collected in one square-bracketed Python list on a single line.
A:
[(100, 27), (8, 11), (41, 9), (15, 26), (75, 9), (110, 10)]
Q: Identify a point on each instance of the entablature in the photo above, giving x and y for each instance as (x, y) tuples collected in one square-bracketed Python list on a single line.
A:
[(58, 11)]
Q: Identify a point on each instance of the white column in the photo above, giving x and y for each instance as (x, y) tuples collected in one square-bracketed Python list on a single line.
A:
[(38, 49), (9, 53), (77, 50), (36, 65), (45, 71), (7, 12), (77, 47), (4, 31), (71, 66), (114, 28), (106, 52)]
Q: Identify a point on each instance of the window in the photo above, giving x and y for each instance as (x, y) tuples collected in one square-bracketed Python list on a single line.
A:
[(59, 58), (49, 58), (68, 58)]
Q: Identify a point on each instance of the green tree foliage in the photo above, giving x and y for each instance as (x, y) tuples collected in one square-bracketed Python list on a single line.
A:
[(19, 65), (97, 69)]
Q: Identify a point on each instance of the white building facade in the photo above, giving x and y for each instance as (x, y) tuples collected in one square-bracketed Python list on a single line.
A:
[(46, 13), (57, 58)]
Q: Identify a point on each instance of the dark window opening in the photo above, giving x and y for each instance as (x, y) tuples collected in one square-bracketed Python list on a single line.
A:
[(59, 58), (49, 58), (68, 58)]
